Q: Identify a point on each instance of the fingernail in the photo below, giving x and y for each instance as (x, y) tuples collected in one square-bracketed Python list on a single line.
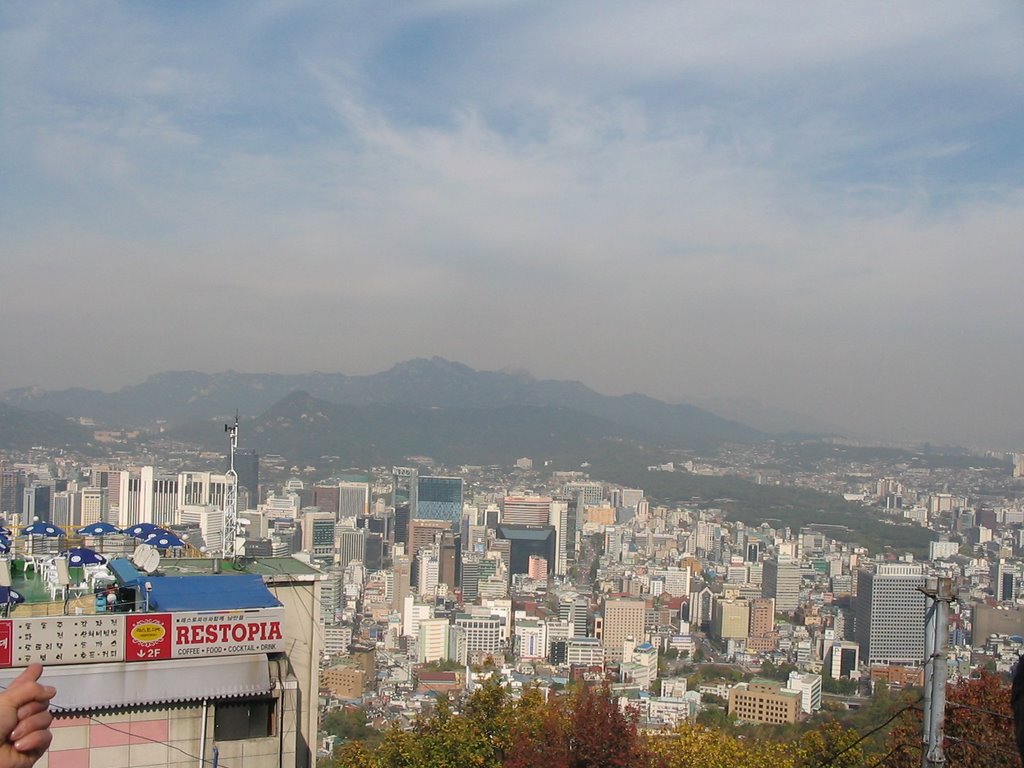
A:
[(50, 690)]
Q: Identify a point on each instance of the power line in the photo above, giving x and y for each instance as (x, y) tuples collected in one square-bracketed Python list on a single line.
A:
[(974, 708), (77, 713), (876, 729), (996, 747), (885, 758)]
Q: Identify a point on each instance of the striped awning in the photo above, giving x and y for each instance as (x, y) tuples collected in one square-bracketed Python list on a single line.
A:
[(83, 687)]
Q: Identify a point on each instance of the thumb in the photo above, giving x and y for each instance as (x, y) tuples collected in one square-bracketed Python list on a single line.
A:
[(25, 692)]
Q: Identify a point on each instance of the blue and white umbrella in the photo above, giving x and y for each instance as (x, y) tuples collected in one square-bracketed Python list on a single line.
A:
[(98, 529), (142, 530), (43, 529), (5, 546), (5, 531), (164, 540), (84, 556), (8, 595)]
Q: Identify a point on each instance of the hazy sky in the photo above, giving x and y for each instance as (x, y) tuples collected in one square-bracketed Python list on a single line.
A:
[(819, 205)]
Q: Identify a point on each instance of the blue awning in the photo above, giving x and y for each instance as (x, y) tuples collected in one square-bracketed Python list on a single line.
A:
[(209, 593), (126, 574)]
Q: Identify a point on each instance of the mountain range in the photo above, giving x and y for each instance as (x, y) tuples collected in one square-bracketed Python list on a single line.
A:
[(414, 403)]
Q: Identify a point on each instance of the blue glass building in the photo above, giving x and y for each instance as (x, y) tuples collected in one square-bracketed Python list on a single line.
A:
[(438, 498)]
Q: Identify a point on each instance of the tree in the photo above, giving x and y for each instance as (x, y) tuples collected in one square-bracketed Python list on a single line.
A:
[(978, 727), (832, 745), (349, 724), (694, 746), (601, 735)]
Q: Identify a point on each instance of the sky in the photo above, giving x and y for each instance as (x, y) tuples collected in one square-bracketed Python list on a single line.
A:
[(817, 206)]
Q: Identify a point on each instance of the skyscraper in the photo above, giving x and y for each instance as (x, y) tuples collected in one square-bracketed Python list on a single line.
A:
[(623, 617), (526, 510), (438, 498), (247, 466), (890, 614), (526, 540), (354, 499), (781, 581)]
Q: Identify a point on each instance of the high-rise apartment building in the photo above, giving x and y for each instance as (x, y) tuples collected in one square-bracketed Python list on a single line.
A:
[(432, 640), (780, 579), (889, 622), (623, 617), (12, 492), (94, 506), (401, 581), (559, 520)]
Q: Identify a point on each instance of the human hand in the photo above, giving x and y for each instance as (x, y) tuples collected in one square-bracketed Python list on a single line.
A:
[(25, 719)]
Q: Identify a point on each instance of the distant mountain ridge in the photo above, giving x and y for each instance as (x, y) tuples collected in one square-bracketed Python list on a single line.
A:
[(306, 429), (182, 397), (21, 429)]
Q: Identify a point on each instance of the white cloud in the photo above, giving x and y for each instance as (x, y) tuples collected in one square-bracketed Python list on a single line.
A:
[(793, 201)]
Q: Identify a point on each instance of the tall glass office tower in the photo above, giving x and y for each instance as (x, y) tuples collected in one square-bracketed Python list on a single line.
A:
[(438, 498)]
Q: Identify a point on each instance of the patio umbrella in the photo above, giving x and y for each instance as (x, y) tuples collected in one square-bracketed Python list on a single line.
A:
[(5, 546), (142, 530), (164, 540), (43, 529), (8, 595), (98, 529), (5, 531), (84, 556)]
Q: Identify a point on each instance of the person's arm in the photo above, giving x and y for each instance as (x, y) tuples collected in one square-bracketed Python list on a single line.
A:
[(25, 719)]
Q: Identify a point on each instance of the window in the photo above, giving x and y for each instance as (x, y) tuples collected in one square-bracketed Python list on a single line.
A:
[(243, 719)]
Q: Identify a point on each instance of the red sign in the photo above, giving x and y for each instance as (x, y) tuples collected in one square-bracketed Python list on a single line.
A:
[(6, 643), (147, 636)]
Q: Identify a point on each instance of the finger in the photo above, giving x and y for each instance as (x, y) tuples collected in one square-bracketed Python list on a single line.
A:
[(37, 722), (27, 710), (35, 743), (30, 674), (27, 692)]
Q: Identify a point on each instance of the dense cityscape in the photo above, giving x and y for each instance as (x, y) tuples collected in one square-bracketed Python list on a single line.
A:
[(429, 581), (461, 383)]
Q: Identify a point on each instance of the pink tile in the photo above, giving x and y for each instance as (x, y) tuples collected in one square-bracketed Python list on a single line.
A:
[(66, 722), (108, 736), (70, 758), (148, 731)]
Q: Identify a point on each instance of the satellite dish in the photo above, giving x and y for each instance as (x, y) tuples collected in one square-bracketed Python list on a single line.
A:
[(146, 558)]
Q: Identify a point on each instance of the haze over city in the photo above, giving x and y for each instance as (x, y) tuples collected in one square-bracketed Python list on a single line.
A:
[(815, 206)]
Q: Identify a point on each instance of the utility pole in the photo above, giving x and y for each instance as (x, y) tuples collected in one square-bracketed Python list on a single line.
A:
[(939, 594)]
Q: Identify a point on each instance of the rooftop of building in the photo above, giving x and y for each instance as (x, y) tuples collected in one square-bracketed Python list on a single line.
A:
[(41, 599)]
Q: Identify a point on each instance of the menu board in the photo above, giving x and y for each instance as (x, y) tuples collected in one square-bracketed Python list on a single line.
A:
[(62, 640)]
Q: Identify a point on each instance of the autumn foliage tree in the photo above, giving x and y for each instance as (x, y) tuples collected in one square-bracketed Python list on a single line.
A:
[(583, 729), (978, 727)]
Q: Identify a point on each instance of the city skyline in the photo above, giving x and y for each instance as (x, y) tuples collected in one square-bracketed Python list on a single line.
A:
[(817, 208)]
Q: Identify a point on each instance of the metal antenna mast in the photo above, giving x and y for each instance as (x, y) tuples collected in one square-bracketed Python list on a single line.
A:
[(939, 594), (231, 528)]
